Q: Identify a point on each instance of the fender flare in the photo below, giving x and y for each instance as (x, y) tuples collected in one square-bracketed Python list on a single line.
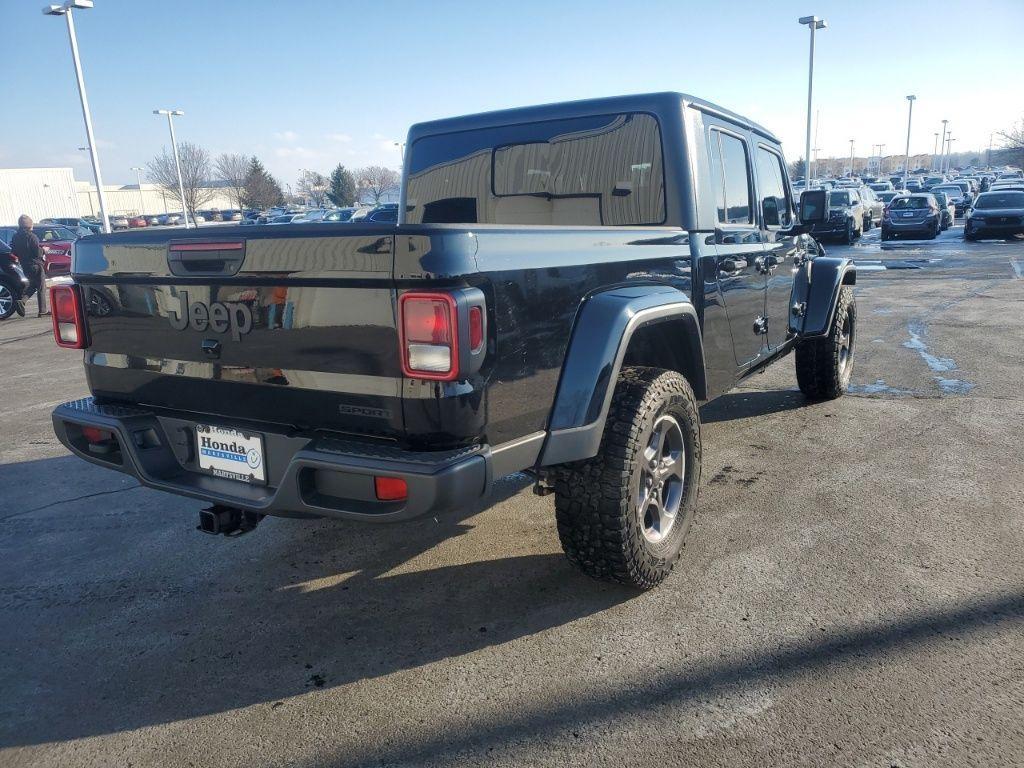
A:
[(816, 294), (597, 347)]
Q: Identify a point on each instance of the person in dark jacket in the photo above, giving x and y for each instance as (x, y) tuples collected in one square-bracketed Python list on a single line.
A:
[(25, 246)]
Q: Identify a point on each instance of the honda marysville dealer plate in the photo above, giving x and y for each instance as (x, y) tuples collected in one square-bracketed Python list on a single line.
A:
[(229, 453)]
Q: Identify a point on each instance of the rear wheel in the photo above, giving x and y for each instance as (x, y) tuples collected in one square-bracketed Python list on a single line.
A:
[(8, 304), (824, 366), (623, 515)]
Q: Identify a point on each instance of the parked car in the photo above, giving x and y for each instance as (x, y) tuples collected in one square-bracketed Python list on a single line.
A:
[(117, 221), (946, 207), (75, 222), (55, 242), (873, 207), (170, 219), (153, 220), (210, 215), (382, 215), (881, 186), (933, 181), (338, 216), (137, 222), (579, 352), (231, 215), (995, 214), (955, 193), (914, 214), (887, 197), (914, 185), (286, 218), (13, 282), (846, 216)]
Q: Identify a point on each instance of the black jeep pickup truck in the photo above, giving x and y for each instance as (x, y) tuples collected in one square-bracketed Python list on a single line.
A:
[(565, 284)]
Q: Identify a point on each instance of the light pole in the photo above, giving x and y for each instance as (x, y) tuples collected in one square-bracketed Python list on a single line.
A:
[(65, 11), (949, 151), (881, 158), (851, 158), (935, 150), (942, 148), (138, 176), (171, 113), (989, 164), (906, 161), (813, 23)]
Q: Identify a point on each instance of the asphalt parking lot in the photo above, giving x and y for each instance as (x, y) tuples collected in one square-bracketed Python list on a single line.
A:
[(852, 591)]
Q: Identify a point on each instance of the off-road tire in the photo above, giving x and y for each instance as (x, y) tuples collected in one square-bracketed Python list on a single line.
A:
[(822, 370), (597, 508)]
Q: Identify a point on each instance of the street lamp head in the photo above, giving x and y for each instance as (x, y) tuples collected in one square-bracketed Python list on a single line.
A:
[(911, 97), (168, 112), (813, 20), (60, 10)]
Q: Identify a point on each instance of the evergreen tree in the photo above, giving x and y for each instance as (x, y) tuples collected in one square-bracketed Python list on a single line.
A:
[(342, 190), (261, 189)]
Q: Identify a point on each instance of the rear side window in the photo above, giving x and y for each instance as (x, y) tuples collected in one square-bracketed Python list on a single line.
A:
[(590, 171), (771, 187), (730, 175)]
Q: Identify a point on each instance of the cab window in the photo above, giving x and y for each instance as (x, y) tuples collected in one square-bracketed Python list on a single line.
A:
[(730, 174), (776, 210)]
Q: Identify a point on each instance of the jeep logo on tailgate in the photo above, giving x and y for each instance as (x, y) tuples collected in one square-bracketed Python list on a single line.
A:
[(218, 317)]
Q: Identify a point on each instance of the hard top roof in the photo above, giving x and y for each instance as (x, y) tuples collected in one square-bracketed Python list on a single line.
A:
[(655, 103)]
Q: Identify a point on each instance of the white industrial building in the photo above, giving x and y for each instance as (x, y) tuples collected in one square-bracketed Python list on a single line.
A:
[(54, 192)]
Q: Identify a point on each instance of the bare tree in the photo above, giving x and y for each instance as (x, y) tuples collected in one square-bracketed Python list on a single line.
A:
[(195, 175), (375, 181), (313, 187), (1012, 151), (233, 169)]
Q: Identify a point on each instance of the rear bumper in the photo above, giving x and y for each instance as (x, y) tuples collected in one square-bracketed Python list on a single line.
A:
[(306, 477)]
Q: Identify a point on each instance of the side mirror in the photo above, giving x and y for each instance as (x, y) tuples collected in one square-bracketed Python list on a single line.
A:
[(813, 206)]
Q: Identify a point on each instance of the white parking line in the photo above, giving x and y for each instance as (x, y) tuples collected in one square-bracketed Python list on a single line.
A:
[(1018, 267)]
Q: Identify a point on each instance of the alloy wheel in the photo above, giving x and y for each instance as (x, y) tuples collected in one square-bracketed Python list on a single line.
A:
[(662, 471)]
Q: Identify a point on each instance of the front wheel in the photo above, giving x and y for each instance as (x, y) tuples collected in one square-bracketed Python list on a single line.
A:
[(624, 514), (851, 233), (824, 366)]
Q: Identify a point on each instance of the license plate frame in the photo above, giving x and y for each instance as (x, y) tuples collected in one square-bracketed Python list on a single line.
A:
[(230, 453)]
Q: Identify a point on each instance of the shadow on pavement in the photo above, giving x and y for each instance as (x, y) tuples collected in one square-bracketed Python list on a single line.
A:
[(683, 684), (744, 403), (113, 619)]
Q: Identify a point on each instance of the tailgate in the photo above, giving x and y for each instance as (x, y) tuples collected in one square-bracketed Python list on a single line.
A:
[(294, 326)]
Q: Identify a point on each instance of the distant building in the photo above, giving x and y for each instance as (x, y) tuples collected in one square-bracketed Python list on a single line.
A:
[(54, 193)]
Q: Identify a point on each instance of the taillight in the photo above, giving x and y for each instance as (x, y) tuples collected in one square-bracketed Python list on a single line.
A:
[(390, 488), (429, 336), (68, 322)]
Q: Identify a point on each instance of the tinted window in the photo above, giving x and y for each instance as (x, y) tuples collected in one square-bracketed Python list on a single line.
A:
[(387, 215), (909, 203), (1000, 200), (586, 171), (730, 178), (771, 188), (839, 198)]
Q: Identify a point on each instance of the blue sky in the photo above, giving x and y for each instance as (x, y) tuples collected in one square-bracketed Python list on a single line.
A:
[(308, 85)]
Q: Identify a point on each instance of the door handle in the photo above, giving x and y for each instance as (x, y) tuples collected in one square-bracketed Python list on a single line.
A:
[(731, 266)]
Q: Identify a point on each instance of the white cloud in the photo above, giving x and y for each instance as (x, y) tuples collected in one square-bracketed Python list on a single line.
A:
[(342, 138), (288, 136)]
